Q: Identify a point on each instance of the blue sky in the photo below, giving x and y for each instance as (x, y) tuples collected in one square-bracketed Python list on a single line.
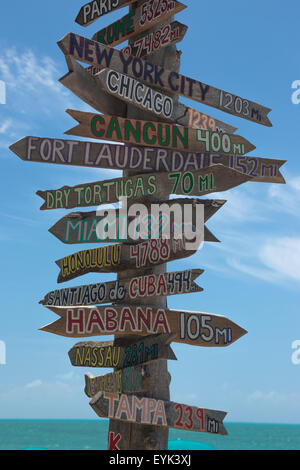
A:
[(249, 48)]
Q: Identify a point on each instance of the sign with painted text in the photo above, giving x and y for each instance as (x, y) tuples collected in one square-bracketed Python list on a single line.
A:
[(156, 134), (146, 15), (122, 353), (95, 9), (216, 178), (146, 159), (129, 380), (151, 285), (144, 97), (115, 258), (155, 412), (94, 53), (194, 328), (149, 42)]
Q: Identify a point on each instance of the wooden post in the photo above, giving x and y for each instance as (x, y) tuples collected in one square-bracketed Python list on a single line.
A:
[(136, 436)]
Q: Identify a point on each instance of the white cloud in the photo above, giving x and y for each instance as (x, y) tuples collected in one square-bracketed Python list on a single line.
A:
[(34, 384)]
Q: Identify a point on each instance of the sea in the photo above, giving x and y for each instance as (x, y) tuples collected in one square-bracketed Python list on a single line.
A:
[(92, 435)]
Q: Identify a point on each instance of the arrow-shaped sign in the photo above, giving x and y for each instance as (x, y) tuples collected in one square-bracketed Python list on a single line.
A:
[(151, 285), (194, 328), (144, 97), (156, 134), (129, 380), (88, 88), (138, 20), (94, 53), (122, 353), (146, 159), (159, 185), (156, 412), (115, 258), (95, 9), (91, 227)]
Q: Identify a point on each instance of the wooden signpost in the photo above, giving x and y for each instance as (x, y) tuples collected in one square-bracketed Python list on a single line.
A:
[(156, 134), (151, 285), (94, 53), (145, 410), (95, 9), (145, 16), (128, 380), (165, 148), (115, 258), (194, 328), (145, 159), (120, 353), (159, 185)]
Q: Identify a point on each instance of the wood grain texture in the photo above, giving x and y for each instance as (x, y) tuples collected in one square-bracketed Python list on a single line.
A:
[(145, 410), (126, 290), (144, 159), (216, 178), (145, 16), (188, 327), (93, 53), (118, 257), (156, 134), (122, 352), (95, 9)]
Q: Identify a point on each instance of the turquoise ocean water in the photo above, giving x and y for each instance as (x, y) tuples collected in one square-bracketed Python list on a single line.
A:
[(92, 435)]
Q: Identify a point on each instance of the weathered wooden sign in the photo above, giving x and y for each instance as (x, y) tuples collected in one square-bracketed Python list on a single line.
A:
[(146, 159), (85, 84), (94, 53), (145, 410), (151, 285), (93, 10), (138, 20), (90, 227), (129, 380), (216, 178), (149, 100), (149, 42), (114, 258), (156, 134), (122, 353), (194, 328)]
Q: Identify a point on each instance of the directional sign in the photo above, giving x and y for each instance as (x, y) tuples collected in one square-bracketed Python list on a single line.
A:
[(85, 84), (151, 285), (155, 412), (129, 380), (156, 134), (160, 185), (122, 352), (165, 34), (93, 10), (138, 20), (115, 258), (146, 159), (144, 97), (94, 53), (88, 227), (194, 328)]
